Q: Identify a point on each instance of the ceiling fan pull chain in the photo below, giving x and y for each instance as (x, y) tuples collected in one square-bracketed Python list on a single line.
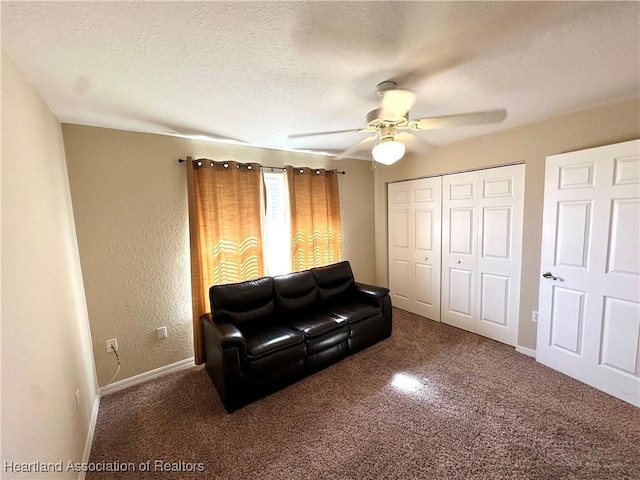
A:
[(373, 165)]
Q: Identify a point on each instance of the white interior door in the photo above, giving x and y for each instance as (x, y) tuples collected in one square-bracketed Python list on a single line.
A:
[(500, 212), (459, 256), (589, 308), (482, 250), (400, 251), (415, 211), (427, 235)]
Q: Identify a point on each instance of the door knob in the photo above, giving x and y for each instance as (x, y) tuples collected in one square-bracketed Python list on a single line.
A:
[(551, 276), (426, 258), (458, 261)]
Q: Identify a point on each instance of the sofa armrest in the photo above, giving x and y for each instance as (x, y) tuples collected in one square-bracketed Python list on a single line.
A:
[(226, 359), (224, 333), (377, 297), (371, 290)]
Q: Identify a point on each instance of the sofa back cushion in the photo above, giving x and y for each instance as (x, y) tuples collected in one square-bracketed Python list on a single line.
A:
[(243, 302), (295, 291), (333, 280)]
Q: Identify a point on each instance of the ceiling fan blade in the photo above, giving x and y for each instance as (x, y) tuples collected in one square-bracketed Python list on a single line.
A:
[(414, 143), (396, 103), (317, 134), (186, 132), (199, 135), (431, 123), (356, 147)]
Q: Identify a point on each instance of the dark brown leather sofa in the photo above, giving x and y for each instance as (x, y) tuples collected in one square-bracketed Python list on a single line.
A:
[(264, 334)]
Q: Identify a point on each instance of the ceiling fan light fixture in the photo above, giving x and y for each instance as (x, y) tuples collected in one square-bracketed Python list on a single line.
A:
[(388, 152)]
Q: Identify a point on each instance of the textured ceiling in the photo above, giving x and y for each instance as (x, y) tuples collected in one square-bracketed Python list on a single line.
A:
[(258, 71)]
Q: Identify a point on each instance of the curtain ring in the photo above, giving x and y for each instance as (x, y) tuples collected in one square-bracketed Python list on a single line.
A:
[(199, 163), (301, 171), (225, 165), (249, 167), (211, 164)]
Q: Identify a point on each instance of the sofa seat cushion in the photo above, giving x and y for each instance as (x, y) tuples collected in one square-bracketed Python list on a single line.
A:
[(352, 312), (314, 324), (328, 340), (269, 339)]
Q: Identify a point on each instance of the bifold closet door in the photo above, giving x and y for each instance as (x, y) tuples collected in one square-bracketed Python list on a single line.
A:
[(414, 225), (482, 249)]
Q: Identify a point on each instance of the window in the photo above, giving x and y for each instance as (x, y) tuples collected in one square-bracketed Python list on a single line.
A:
[(276, 231)]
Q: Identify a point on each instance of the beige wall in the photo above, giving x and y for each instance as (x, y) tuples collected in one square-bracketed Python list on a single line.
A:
[(130, 205), (529, 144), (46, 346)]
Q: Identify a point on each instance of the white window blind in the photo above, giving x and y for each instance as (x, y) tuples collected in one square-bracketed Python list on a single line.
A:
[(277, 242)]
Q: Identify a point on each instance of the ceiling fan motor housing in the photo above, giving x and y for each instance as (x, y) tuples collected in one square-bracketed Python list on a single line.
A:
[(386, 85), (375, 121), (387, 134)]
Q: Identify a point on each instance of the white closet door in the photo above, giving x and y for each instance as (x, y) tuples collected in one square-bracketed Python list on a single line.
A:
[(400, 250), (459, 256), (482, 249), (501, 204), (427, 211), (414, 245), (589, 309)]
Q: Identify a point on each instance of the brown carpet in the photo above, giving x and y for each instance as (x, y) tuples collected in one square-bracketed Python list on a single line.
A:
[(431, 402)]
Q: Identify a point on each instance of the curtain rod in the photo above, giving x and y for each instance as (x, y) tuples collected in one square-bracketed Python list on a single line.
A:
[(182, 160)]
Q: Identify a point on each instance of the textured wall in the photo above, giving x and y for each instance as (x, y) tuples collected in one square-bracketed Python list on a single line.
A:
[(130, 205), (529, 144), (46, 347)]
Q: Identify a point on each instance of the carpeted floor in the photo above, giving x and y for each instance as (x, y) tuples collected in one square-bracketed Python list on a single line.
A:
[(431, 402)]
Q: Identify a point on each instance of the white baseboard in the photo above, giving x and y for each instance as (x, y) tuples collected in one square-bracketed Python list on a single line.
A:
[(526, 351), (145, 377), (121, 385), (92, 428)]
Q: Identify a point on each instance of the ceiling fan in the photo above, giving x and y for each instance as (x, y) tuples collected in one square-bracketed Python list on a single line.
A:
[(388, 121)]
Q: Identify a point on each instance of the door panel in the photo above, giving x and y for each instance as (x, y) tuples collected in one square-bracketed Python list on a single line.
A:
[(401, 229), (401, 277), (481, 266), (399, 246), (459, 260), (415, 209), (589, 308), (461, 224), (574, 223), (494, 303), (496, 232), (461, 291), (501, 207), (624, 237), (567, 319), (627, 170), (424, 235), (621, 335), (577, 175), (424, 275), (462, 188), (498, 187)]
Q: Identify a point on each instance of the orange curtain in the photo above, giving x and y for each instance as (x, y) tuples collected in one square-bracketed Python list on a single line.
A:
[(225, 219), (315, 217)]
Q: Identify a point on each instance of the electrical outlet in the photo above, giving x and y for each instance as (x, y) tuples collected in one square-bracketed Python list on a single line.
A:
[(111, 342), (77, 399), (534, 316), (162, 332)]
